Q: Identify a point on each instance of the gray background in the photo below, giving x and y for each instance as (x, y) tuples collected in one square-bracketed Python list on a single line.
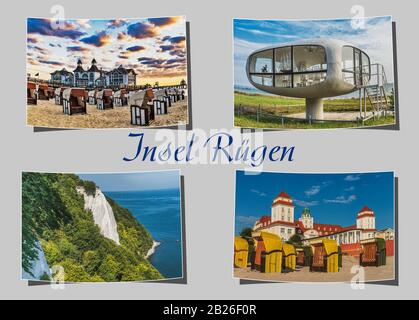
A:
[(209, 189)]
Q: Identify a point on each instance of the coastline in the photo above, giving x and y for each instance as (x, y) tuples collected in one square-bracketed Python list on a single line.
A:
[(153, 249)]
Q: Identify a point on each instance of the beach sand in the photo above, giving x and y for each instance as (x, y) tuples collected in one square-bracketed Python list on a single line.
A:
[(303, 274), (48, 114)]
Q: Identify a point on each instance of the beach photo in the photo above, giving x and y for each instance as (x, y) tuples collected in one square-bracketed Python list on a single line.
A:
[(101, 227), (111, 73), (314, 74), (302, 227)]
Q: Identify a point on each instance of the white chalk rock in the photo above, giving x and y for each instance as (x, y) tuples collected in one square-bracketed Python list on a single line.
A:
[(102, 213)]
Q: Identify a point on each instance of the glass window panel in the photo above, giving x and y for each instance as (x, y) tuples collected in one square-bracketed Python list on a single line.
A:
[(263, 80), (283, 60), (262, 62), (309, 79), (283, 81), (348, 58), (366, 68), (348, 77), (309, 58)]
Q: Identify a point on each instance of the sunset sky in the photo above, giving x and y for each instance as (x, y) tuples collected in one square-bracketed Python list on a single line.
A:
[(154, 47)]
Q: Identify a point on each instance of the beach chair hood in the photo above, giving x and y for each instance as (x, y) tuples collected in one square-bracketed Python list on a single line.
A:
[(140, 98), (159, 94), (272, 242), (67, 94)]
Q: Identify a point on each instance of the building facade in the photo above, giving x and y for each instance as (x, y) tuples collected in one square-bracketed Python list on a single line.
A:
[(94, 77), (282, 222)]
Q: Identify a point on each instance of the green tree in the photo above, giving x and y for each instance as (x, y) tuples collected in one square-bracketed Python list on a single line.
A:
[(295, 239)]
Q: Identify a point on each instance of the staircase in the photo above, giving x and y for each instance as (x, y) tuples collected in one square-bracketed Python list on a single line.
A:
[(372, 88)]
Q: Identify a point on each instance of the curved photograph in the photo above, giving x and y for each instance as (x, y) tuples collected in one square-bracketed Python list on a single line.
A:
[(116, 227), (314, 74), (301, 227), (116, 73)]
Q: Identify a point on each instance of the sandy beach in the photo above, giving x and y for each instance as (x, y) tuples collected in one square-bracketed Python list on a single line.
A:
[(48, 114), (303, 274)]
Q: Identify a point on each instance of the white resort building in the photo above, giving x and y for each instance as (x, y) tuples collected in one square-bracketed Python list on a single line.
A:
[(93, 77), (283, 223)]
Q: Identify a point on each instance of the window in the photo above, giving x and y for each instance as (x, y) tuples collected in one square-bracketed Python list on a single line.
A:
[(356, 67), (283, 60), (309, 58), (289, 67), (262, 62), (282, 230)]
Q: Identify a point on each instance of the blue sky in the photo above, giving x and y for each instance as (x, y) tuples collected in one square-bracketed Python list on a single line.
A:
[(154, 47), (332, 198), (140, 181), (250, 35)]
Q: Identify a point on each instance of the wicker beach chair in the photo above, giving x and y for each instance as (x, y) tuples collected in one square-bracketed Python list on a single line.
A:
[(74, 101), (241, 252), (325, 256), (31, 93), (373, 253), (268, 255), (104, 99)]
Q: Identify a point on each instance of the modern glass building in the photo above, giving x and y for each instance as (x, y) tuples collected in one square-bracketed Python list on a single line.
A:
[(311, 69)]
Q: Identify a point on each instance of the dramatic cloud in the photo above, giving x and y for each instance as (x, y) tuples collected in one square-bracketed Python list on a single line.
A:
[(122, 36), (116, 23), (43, 27), (168, 47), (32, 40), (178, 39), (178, 52), (98, 40), (352, 177), (141, 30), (145, 59), (312, 191), (53, 63), (136, 48), (39, 49), (342, 199), (77, 49), (164, 22), (177, 60), (84, 23)]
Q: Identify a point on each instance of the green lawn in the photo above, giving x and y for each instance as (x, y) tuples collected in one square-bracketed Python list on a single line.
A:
[(267, 122), (281, 105), (273, 106)]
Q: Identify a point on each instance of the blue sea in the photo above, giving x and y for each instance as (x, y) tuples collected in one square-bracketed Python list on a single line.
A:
[(159, 212)]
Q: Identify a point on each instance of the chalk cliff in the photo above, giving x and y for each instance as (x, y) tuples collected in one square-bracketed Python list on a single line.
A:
[(102, 213)]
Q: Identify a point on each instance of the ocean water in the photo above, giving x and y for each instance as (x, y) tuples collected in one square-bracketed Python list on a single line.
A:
[(159, 212)]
